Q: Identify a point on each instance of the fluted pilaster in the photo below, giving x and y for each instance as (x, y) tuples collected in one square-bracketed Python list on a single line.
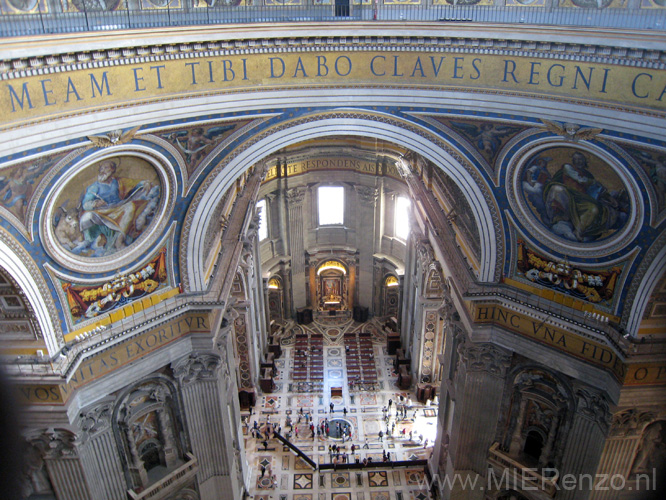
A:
[(63, 464), (620, 448), (99, 454), (479, 387), (198, 377), (585, 442), (365, 224), (295, 198)]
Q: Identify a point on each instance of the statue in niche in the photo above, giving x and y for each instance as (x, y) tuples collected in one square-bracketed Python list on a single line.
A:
[(652, 450), (144, 428)]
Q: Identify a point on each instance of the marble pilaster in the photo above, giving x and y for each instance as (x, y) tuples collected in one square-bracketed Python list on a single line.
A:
[(479, 388), (620, 447), (99, 453), (295, 199), (198, 379), (585, 441), (64, 465)]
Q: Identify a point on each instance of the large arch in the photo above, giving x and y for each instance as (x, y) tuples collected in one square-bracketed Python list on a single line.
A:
[(352, 122), (649, 280), (25, 272)]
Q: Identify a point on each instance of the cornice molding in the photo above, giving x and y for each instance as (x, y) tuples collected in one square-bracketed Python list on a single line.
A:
[(26, 66)]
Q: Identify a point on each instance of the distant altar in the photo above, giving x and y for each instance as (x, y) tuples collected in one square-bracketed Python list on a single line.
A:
[(332, 286)]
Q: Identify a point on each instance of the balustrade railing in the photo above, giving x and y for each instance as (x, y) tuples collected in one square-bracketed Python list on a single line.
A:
[(19, 18), (521, 475), (169, 483)]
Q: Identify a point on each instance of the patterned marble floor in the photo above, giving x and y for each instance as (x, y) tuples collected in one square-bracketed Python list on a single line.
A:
[(278, 474)]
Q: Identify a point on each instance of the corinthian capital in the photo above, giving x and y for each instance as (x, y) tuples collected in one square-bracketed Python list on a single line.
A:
[(196, 367), (96, 419), (295, 196), (61, 443), (484, 357), (367, 195), (594, 406), (630, 422)]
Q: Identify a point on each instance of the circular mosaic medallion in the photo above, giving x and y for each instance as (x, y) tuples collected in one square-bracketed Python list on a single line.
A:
[(575, 198), (105, 211)]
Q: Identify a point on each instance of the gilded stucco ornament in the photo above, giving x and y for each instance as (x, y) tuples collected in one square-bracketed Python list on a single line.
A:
[(114, 138)]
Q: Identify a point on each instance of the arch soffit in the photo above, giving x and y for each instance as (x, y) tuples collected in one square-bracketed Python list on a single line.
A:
[(651, 271), (18, 263), (353, 123)]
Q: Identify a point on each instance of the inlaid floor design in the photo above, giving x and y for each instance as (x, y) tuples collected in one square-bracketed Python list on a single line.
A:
[(289, 477)]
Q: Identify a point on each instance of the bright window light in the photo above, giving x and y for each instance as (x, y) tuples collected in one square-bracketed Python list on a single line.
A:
[(331, 201), (263, 226), (402, 218)]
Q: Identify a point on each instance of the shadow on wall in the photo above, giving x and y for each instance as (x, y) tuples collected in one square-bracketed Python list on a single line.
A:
[(11, 452)]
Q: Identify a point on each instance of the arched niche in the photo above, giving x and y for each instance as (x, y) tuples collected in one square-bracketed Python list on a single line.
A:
[(148, 430), (390, 296), (332, 285), (275, 298), (24, 273), (538, 417)]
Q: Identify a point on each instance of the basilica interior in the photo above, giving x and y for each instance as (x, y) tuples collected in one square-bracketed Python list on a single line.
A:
[(379, 257)]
